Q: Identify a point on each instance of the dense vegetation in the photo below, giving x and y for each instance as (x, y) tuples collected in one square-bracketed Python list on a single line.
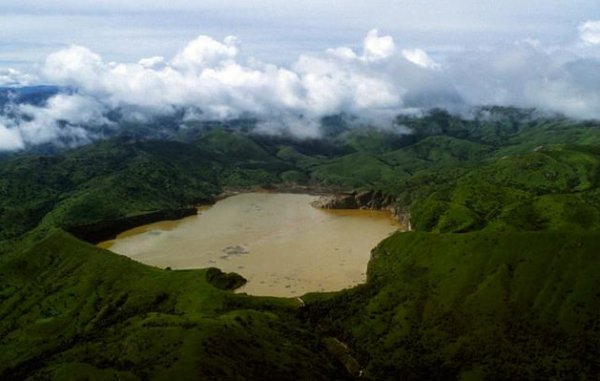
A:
[(480, 305), (498, 280), (72, 311)]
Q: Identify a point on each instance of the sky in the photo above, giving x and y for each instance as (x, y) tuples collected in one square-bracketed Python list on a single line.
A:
[(274, 30), (290, 63)]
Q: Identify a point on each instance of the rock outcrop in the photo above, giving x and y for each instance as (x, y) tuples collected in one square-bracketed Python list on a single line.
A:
[(372, 200)]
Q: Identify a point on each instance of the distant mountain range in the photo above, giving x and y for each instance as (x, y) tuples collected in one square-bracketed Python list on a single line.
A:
[(498, 279)]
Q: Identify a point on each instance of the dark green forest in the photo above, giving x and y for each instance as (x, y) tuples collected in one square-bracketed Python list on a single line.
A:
[(498, 279)]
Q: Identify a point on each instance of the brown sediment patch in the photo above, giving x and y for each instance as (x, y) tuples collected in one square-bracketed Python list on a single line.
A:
[(266, 236)]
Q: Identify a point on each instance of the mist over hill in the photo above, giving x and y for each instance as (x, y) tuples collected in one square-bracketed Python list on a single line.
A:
[(177, 126), (475, 124), (211, 80), (496, 280)]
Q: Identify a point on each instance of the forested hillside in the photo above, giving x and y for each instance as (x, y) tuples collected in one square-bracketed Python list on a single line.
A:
[(498, 280)]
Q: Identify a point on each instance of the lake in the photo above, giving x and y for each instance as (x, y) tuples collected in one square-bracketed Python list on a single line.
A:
[(279, 242)]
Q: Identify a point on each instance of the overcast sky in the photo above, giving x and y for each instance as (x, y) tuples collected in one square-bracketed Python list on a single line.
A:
[(288, 63), (276, 30)]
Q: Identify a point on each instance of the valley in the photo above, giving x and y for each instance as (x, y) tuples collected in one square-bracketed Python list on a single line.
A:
[(280, 243), (497, 279)]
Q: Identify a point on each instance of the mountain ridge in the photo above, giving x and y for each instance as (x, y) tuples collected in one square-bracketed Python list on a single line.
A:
[(505, 211)]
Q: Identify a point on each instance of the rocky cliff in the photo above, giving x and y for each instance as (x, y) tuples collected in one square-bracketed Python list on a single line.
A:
[(372, 200)]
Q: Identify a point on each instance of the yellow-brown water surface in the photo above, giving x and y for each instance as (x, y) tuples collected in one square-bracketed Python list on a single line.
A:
[(279, 242)]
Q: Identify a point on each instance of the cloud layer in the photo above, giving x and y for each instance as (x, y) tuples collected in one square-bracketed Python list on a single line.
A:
[(210, 79), (13, 77), (208, 76)]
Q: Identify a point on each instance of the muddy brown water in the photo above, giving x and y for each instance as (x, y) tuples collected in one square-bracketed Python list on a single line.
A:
[(279, 242)]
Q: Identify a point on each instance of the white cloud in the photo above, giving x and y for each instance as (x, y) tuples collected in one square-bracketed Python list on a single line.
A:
[(342, 53), (378, 48), (420, 57), (66, 120), (208, 74), (589, 32), (299, 127), (10, 138), (275, 31), (13, 77), (73, 109), (152, 62), (211, 79), (205, 52), (76, 65)]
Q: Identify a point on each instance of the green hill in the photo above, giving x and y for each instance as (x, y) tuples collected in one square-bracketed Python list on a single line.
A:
[(499, 280), (484, 305), (554, 188), (71, 311)]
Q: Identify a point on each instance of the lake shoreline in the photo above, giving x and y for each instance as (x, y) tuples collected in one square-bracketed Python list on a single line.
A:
[(335, 198), (109, 229), (278, 241), (330, 198)]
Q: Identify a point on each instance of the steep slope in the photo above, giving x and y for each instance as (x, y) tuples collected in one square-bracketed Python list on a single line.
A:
[(498, 281), (552, 188), (70, 311), (484, 305)]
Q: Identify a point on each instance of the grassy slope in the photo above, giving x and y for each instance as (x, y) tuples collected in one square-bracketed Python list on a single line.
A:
[(516, 298), (91, 313), (494, 303), (103, 181), (120, 177), (554, 189), (484, 305)]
